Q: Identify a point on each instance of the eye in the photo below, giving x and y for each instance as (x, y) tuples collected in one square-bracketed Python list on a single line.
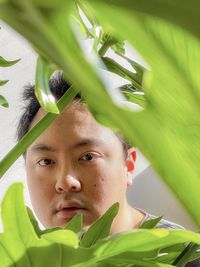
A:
[(46, 162), (89, 156)]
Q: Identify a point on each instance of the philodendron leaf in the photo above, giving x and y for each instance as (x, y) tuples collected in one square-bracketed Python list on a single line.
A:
[(21, 246), (3, 102), (150, 223), (18, 232), (113, 66), (171, 117), (133, 95), (6, 63), (34, 222), (14, 215), (62, 236), (75, 224), (119, 48), (100, 228), (122, 245), (2, 82), (42, 90)]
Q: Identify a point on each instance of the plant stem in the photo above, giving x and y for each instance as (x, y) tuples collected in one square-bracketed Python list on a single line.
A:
[(104, 49), (183, 258), (30, 136)]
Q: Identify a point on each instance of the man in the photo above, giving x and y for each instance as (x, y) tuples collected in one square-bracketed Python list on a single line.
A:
[(77, 166)]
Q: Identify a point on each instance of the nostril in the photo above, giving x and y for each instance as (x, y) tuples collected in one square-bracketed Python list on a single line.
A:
[(74, 187)]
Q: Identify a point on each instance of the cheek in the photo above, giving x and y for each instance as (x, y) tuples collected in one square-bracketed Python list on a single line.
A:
[(105, 183), (40, 189)]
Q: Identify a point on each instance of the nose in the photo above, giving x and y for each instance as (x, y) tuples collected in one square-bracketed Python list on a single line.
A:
[(68, 183)]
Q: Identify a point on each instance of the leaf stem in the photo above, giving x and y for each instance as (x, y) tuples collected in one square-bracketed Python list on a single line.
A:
[(30, 136), (104, 49), (183, 258)]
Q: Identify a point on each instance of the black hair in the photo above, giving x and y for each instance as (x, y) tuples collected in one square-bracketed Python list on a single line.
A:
[(58, 86)]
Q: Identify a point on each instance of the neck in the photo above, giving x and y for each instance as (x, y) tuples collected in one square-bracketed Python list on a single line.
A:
[(128, 218)]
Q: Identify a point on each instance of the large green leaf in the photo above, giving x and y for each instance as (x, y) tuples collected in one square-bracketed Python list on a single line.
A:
[(167, 131), (21, 246), (183, 13), (171, 118)]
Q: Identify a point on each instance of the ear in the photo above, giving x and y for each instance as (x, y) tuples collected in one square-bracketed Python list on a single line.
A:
[(130, 164)]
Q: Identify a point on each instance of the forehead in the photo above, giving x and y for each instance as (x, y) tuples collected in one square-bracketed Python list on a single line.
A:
[(73, 125)]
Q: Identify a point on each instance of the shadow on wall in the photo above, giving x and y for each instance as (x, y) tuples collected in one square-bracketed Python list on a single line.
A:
[(149, 193)]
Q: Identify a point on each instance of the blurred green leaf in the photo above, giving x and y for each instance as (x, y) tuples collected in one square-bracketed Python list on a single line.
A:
[(184, 14), (140, 70), (166, 131), (100, 228), (3, 102), (171, 117), (150, 223), (119, 48), (6, 63), (133, 95), (42, 90), (186, 254), (2, 82)]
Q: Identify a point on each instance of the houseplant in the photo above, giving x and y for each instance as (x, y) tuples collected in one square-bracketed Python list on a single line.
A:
[(170, 117)]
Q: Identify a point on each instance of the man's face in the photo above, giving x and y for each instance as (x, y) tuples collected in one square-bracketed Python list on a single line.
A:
[(76, 166)]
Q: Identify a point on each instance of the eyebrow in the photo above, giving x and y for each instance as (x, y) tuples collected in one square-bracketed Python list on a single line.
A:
[(82, 143), (43, 147), (88, 142)]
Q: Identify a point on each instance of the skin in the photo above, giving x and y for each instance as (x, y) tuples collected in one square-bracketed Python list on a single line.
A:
[(80, 165)]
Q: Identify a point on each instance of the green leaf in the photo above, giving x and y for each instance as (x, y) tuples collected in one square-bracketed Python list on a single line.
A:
[(150, 223), (140, 70), (158, 9), (119, 48), (49, 4), (2, 82), (116, 68), (20, 245), (62, 236), (75, 224), (6, 63), (140, 247), (34, 222), (134, 95), (100, 228), (42, 90), (171, 118), (16, 222), (186, 254), (3, 102)]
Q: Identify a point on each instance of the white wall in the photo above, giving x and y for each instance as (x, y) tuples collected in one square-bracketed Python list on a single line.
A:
[(147, 192)]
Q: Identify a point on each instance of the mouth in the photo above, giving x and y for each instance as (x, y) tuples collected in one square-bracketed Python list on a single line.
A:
[(68, 210), (69, 213)]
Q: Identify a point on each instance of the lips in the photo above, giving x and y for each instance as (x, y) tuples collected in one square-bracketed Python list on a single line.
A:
[(67, 210)]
